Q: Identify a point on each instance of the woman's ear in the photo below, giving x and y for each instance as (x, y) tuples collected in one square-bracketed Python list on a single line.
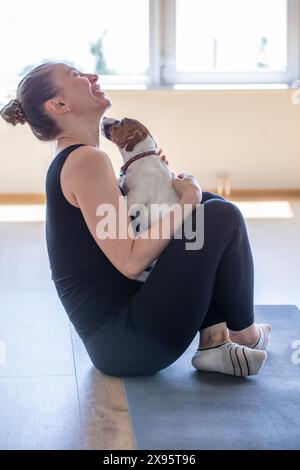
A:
[(132, 140)]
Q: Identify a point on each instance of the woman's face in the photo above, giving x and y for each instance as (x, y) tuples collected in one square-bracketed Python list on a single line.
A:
[(81, 92)]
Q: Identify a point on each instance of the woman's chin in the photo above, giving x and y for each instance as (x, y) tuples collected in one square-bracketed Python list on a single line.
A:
[(100, 96), (107, 101), (101, 103)]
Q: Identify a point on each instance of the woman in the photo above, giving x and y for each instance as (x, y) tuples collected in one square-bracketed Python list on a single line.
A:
[(129, 327)]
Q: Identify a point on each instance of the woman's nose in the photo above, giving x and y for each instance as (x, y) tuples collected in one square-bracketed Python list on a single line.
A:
[(94, 77)]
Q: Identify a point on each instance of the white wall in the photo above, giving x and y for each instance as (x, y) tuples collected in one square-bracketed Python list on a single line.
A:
[(253, 135)]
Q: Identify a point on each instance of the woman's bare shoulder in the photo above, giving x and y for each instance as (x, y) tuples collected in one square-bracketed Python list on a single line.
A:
[(89, 150), (85, 157), (81, 161)]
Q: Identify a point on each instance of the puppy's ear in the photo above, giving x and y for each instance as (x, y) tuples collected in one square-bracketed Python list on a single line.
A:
[(132, 140)]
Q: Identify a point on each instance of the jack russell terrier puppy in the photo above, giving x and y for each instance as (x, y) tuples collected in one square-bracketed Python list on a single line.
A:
[(144, 178)]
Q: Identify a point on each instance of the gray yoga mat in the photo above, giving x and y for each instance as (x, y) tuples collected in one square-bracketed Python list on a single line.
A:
[(185, 409)]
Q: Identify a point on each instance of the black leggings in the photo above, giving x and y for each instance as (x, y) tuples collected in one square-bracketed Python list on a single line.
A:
[(186, 291)]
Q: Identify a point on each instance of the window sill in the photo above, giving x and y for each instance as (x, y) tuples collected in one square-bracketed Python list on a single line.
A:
[(199, 87), (234, 86)]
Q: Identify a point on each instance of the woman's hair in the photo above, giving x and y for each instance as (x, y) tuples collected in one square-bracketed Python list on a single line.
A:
[(33, 91)]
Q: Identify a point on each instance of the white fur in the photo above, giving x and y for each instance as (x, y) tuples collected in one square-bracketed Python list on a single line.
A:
[(147, 181)]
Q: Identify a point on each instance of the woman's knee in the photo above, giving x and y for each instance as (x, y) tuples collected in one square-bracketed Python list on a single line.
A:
[(216, 215), (225, 211), (207, 196)]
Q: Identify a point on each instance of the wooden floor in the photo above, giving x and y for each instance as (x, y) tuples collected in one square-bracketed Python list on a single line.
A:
[(51, 396)]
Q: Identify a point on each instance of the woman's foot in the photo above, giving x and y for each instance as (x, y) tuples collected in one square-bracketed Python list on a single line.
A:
[(230, 358), (256, 336)]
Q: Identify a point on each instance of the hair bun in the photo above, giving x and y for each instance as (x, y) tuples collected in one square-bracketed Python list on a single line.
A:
[(13, 112), (19, 111)]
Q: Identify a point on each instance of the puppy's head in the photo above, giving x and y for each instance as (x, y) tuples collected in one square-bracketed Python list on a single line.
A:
[(125, 133)]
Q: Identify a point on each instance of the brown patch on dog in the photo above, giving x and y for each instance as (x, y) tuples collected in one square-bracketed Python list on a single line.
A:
[(128, 133)]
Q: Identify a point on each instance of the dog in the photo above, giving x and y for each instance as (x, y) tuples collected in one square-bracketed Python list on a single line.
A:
[(144, 178)]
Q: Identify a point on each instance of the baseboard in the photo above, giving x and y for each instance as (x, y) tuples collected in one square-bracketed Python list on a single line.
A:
[(262, 194), (22, 198), (247, 194)]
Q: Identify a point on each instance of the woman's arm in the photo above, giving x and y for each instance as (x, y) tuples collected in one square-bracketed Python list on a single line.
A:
[(94, 183)]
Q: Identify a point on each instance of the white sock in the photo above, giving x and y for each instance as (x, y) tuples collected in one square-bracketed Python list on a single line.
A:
[(264, 331), (230, 358)]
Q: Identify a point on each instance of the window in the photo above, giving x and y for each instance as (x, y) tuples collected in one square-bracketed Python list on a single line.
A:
[(110, 37), (154, 43), (231, 35), (231, 41)]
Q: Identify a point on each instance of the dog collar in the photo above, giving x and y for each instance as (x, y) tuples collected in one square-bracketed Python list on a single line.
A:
[(133, 159)]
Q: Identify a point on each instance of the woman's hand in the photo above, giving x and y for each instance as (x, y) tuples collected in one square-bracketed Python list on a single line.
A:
[(187, 187), (162, 156)]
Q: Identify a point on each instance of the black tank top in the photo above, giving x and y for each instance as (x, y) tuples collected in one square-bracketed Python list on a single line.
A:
[(90, 288)]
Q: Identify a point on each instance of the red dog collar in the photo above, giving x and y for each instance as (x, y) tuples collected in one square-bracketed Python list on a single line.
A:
[(133, 159)]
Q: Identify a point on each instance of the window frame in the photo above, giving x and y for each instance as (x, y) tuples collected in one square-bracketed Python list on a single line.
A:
[(162, 74), (170, 77)]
